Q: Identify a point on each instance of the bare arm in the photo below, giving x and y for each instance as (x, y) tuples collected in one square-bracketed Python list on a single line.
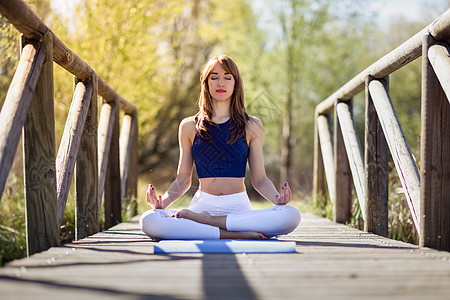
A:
[(183, 181), (260, 182)]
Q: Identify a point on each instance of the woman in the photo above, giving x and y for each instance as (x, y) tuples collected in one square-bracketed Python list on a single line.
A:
[(220, 139)]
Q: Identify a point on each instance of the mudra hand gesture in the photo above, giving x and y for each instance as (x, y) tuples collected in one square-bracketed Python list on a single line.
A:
[(285, 195), (154, 201)]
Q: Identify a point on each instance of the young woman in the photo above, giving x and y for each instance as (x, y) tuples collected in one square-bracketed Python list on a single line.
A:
[(220, 139)]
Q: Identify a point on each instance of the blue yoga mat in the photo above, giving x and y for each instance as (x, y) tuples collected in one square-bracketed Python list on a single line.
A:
[(224, 246)]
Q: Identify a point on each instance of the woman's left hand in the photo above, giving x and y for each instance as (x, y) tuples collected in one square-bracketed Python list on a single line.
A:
[(285, 195)]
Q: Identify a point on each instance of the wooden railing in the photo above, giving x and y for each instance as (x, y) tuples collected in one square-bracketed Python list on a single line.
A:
[(339, 158), (101, 157)]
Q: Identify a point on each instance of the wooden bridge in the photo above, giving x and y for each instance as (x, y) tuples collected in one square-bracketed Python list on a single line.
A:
[(331, 259)]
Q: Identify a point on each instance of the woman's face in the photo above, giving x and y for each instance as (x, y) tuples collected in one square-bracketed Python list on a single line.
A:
[(221, 84)]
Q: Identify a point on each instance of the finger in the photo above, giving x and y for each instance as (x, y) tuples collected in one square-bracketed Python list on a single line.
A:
[(160, 203), (289, 192), (147, 195), (286, 194), (153, 193), (282, 196)]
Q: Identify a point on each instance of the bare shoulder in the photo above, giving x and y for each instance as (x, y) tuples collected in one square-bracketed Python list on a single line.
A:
[(188, 121), (255, 128), (255, 124), (187, 126)]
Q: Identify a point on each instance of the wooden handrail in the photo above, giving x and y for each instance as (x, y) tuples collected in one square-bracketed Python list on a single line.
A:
[(439, 58), (394, 60), (48, 178), (31, 26), (427, 193)]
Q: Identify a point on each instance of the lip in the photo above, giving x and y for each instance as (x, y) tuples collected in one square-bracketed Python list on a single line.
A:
[(221, 91)]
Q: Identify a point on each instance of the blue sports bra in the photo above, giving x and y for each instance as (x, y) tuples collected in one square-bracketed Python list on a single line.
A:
[(216, 158)]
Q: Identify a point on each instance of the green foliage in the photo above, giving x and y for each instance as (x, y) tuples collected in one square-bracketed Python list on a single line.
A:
[(12, 221), (9, 49)]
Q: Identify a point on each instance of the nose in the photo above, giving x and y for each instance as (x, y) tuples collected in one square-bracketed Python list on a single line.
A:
[(221, 82)]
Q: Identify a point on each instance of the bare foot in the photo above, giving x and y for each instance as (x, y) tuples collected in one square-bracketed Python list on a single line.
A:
[(243, 235), (200, 217)]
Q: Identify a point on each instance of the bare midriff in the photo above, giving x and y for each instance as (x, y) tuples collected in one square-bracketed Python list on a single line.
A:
[(222, 185)]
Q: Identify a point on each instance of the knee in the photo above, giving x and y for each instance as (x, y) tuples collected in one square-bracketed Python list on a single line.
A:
[(150, 223), (290, 218)]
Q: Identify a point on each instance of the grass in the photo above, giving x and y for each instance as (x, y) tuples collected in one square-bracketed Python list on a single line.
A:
[(12, 222)]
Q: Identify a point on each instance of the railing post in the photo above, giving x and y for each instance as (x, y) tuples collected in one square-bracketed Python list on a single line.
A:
[(105, 128), (126, 141), (39, 161), (398, 146), (435, 159), (113, 194), (70, 142), (132, 174), (376, 169), (17, 102), (326, 145), (319, 188), (86, 172), (342, 210), (353, 149)]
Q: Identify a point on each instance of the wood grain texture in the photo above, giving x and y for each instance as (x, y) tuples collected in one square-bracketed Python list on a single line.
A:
[(70, 142), (326, 144), (398, 146), (87, 219), (376, 156), (41, 215), (319, 186), (332, 261), (131, 192), (342, 209), (435, 162), (354, 152), (17, 102), (125, 143), (105, 129), (113, 194), (439, 58)]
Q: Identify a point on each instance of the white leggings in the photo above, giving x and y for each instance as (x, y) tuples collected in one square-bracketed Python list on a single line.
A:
[(273, 221)]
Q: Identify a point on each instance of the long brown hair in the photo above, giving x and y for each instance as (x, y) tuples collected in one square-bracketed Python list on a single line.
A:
[(239, 116)]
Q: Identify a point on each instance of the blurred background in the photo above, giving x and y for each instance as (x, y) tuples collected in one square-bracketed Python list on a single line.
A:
[(292, 55)]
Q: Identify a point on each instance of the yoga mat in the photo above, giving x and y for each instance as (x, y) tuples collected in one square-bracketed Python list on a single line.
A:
[(224, 246)]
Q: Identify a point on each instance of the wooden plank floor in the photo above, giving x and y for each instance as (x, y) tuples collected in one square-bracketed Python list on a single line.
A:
[(332, 262)]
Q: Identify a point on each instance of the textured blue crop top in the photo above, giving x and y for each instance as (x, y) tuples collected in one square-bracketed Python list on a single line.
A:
[(216, 158)]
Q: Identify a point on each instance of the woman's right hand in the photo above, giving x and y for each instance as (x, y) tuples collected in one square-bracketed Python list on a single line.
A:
[(154, 201)]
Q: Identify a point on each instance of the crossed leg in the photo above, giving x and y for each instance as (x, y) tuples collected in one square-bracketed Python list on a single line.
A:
[(254, 224), (221, 222)]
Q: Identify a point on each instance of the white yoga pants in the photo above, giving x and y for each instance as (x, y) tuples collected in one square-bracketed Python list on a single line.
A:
[(276, 220)]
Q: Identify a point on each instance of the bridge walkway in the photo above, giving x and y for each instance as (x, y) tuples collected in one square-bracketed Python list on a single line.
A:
[(332, 261)]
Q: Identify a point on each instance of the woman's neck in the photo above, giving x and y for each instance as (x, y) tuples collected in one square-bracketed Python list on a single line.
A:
[(221, 111)]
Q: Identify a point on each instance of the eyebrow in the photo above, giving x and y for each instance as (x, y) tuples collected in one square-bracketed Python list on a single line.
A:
[(215, 73)]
